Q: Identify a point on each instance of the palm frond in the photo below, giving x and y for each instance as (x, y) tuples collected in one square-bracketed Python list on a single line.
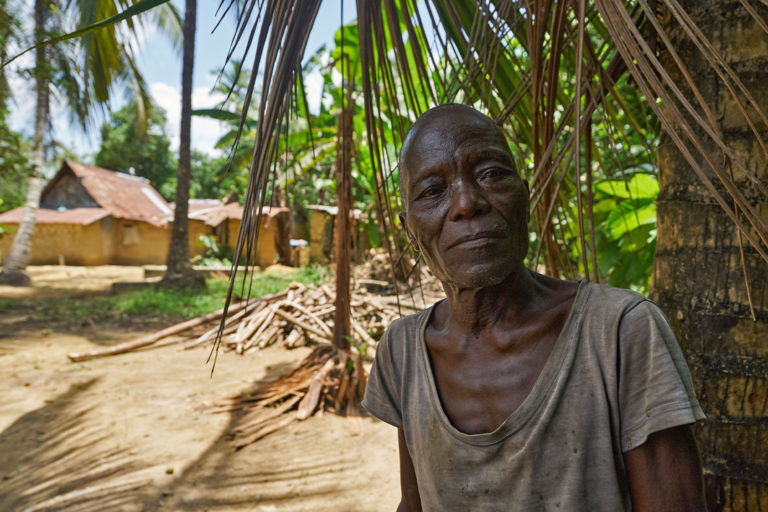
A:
[(126, 15), (548, 72)]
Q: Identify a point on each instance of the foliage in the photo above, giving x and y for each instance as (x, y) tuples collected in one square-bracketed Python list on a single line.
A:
[(14, 150), (7, 304), (210, 178), (87, 60), (14, 166), (128, 145), (215, 254)]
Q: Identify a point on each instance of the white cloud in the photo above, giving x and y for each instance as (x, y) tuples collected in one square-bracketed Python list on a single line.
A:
[(313, 85), (205, 132)]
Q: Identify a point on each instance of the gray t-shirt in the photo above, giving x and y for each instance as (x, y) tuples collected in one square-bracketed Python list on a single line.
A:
[(615, 375)]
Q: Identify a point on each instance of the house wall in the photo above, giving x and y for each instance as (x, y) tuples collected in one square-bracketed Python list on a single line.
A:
[(52, 244), (68, 192), (321, 238), (124, 242), (196, 229), (266, 253), (139, 243)]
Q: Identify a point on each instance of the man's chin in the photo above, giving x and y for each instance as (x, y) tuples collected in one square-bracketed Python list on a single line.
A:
[(481, 276)]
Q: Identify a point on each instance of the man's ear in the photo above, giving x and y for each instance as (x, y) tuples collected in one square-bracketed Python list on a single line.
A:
[(408, 231)]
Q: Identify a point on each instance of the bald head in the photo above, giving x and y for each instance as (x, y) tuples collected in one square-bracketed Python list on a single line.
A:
[(441, 120)]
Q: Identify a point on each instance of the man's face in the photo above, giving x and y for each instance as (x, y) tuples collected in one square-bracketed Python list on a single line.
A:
[(466, 208)]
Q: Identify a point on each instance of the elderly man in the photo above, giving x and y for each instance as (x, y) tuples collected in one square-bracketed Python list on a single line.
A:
[(520, 391)]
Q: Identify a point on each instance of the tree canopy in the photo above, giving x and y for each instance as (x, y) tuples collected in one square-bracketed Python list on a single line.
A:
[(129, 147)]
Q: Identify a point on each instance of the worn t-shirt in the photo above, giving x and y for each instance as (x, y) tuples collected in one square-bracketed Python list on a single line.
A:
[(615, 375)]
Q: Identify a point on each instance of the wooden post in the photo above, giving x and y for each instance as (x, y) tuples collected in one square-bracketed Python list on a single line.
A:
[(343, 228)]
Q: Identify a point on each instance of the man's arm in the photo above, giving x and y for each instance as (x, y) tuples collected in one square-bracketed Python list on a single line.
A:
[(665, 473), (410, 502)]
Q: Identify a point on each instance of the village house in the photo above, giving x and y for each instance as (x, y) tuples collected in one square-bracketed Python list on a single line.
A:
[(223, 221), (322, 220), (94, 216)]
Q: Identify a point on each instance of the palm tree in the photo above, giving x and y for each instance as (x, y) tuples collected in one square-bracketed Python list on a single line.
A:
[(548, 72), (179, 272), (84, 73), (711, 281)]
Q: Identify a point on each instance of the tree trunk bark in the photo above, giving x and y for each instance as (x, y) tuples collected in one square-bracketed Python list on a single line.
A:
[(704, 276), (343, 229), (179, 272), (14, 267)]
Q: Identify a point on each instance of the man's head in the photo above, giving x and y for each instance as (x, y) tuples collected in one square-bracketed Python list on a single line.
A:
[(464, 205)]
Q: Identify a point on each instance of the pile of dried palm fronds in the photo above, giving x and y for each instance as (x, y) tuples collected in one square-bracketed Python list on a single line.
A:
[(299, 315), (327, 380), (293, 317)]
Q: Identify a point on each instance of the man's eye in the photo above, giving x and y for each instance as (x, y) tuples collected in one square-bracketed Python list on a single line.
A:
[(493, 172), (430, 192)]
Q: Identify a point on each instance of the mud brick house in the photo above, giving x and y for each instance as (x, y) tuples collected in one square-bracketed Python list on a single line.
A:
[(321, 224), (94, 216), (223, 221)]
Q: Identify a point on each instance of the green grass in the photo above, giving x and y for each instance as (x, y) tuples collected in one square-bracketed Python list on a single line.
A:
[(156, 301), (163, 302), (7, 304), (265, 284)]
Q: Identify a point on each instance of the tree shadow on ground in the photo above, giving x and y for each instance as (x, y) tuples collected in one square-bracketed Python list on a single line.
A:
[(225, 479), (57, 458), (50, 460)]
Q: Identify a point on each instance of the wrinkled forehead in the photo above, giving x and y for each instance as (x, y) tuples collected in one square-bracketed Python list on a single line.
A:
[(451, 122), (443, 131)]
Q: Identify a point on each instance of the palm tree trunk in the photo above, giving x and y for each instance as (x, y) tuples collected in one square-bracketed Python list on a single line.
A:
[(14, 267), (179, 271), (710, 283)]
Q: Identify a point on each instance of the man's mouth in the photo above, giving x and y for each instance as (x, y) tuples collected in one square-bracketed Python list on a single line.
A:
[(476, 239)]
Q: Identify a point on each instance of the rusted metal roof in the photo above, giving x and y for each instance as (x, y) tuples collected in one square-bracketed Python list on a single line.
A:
[(216, 215), (331, 210), (122, 195), (199, 204), (82, 216)]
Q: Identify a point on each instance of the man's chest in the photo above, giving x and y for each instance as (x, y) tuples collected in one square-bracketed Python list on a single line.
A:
[(480, 390)]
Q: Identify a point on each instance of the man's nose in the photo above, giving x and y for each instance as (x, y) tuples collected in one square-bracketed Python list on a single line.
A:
[(467, 200)]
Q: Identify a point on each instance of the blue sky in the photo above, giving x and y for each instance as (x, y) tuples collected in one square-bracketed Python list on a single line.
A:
[(161, 68)]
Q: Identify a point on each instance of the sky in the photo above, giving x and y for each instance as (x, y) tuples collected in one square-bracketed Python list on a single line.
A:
[(161, 68)]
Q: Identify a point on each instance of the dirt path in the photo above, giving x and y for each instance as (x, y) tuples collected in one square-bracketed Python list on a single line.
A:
[(130, 433)]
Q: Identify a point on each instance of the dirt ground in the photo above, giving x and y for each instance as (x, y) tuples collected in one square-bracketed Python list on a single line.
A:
[(131, 432)]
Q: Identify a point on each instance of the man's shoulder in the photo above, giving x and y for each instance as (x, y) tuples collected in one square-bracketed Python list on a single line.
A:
[(408, 325), (609, 298)]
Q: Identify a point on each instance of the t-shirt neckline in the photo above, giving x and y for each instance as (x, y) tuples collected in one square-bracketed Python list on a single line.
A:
[(541, 387)]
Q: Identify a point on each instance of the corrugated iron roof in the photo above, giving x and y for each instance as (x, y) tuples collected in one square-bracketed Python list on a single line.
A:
[(82, 216), (122, 195), (216, 215)]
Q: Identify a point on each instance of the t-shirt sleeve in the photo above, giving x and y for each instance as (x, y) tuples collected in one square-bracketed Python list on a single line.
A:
[(655, 389), (382, 393)]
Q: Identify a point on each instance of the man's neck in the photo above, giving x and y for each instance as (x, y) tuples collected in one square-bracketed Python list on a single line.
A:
[(476, 309)]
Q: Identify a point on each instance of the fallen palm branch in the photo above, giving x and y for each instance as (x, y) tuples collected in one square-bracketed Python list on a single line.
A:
[(328, 380), (153, 338)]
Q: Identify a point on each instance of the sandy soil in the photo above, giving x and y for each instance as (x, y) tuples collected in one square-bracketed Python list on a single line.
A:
[(131, 432)]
